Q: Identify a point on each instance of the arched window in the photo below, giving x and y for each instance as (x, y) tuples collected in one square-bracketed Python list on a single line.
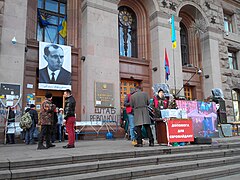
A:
[(236, 103), (127, 25), (184, 44)]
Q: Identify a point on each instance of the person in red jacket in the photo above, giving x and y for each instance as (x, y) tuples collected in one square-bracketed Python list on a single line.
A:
[(130, 115)]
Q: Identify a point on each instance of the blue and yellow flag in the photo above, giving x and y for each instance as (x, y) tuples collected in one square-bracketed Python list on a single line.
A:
[(42, 20), (62, 28), (174, 40)]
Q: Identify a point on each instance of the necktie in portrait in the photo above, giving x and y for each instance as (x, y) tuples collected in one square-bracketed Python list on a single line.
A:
[(53, 78)]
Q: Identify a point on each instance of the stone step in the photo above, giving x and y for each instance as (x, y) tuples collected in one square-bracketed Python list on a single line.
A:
[(139, 152), (183, 170), (87, 167), (215, 173)]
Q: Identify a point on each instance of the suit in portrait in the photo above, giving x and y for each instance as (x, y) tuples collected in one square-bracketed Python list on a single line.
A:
[(64, 77)]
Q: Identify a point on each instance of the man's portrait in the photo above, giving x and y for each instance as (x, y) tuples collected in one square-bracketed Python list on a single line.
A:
[(54, 64)]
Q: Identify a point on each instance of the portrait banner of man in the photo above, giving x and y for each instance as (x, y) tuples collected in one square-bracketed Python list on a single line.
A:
[(54, 66)]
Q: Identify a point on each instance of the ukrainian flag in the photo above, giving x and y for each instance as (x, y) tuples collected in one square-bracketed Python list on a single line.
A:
[(173, 33), (62, 28), (42, 20)]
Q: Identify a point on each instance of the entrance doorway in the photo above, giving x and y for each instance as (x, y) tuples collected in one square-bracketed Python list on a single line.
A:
[(58, 101), (126, 86)]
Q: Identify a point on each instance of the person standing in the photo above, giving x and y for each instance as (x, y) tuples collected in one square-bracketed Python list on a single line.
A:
[(29, 139), (160, 103), (139, 102), (60, 123), (69, 116), (11, 122), (54, 126), (46, 120), (130, 115)]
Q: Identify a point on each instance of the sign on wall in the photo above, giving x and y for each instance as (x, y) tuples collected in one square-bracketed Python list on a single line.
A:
[(9, 91), (104, 94), (54, 66)]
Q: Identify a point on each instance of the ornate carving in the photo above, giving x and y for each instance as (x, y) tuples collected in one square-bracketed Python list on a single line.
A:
[(164, 3)]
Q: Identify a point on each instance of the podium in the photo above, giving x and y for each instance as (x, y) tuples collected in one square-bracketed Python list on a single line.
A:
[(172, 130)]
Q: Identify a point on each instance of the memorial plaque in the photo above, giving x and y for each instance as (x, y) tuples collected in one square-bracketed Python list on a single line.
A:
[(104, 94)]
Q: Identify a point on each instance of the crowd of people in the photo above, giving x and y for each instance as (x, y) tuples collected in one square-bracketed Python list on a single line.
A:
[(49, 124), (141, 112), (137, 108)]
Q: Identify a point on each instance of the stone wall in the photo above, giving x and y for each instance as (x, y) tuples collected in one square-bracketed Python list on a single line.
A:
[(1, 16), (213, 12)]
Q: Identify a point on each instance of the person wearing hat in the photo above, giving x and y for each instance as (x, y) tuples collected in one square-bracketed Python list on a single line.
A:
[(160, 103), (29, 138), (46, 120)]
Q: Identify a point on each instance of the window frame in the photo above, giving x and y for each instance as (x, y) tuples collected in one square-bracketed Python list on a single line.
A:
[(228, 20), (183, 28), (59, 18), (238, 102), (132, 50), (234, 64), (189, 92)]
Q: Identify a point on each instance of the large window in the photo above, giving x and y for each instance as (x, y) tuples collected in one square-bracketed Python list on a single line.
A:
[(53, 13), (184, 44), (236, 103), (228, 24), (127, 32), (188, 92), (232, 60)]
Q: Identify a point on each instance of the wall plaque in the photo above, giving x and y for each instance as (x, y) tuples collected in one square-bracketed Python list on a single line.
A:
[(104, 94)]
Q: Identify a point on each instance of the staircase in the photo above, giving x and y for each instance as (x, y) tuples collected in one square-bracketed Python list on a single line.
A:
[(159, 162)]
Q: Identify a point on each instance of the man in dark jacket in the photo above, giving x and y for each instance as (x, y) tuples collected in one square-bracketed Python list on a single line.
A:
[(139, 102), (69, 116), (46, 120), (29, 139)]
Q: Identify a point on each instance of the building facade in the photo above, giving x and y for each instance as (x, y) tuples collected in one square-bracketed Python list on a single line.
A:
[(121, 44)]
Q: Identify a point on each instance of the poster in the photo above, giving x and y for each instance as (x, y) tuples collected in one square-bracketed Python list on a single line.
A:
[(54, 66), (203, 115)]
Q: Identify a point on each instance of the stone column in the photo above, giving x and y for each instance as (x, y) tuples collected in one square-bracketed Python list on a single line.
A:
[(211, 62), (100, 47), (160, 32), (12, 56)]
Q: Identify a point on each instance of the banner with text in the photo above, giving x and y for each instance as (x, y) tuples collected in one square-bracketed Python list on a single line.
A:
[(180, 130)]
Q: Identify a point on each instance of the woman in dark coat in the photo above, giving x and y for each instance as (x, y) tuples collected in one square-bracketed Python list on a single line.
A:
[(11, 119)]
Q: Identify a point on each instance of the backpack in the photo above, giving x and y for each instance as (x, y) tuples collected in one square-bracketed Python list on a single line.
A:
[(26, 121)]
